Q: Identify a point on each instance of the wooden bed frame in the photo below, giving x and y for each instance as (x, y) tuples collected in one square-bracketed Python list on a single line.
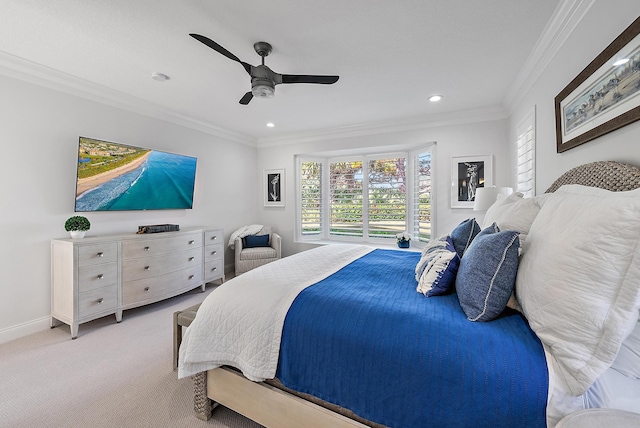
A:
[(271, 406)]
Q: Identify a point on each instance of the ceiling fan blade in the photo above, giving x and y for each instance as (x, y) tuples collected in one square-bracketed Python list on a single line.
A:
[(216, 47), (246, 98), (305, 78)]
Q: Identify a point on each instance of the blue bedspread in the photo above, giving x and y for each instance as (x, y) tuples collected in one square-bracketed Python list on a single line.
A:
[(364, 339)]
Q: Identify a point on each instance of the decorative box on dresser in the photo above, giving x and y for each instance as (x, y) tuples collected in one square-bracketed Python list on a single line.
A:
[(98, 276)]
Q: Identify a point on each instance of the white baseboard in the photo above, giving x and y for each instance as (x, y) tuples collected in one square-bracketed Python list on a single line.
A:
[(24, 329)]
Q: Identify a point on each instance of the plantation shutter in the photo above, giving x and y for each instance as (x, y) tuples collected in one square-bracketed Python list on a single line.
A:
[(421, 211), (525, 156), (387, 199), (310, 198), (345, 199)]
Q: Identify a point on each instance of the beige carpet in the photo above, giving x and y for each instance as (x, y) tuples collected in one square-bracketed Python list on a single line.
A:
[(112, 375)]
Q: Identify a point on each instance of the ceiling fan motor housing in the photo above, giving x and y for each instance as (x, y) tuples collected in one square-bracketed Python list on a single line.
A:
[(263, 82)]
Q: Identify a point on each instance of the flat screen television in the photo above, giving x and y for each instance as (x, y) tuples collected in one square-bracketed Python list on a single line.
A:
[(117, 177)]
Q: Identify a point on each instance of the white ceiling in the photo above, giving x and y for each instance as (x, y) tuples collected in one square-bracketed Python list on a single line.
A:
[(390, 56)]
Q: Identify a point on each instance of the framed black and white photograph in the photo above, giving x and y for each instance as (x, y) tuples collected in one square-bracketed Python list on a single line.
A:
[(604, 97), (274, 187), (468, 173)]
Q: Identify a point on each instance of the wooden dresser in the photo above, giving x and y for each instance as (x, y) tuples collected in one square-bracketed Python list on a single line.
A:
[(98, 276)]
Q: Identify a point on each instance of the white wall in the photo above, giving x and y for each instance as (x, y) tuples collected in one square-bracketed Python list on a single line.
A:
[(39, 130), (603, 22), (477, 138)]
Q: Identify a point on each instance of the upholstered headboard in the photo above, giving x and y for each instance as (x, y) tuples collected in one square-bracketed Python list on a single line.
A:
[(609, 175)]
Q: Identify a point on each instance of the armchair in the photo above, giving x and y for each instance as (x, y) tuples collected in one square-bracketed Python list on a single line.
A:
[(250, 258)]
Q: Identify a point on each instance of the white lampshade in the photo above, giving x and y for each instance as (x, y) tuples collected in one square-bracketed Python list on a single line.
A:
[(486, 196)]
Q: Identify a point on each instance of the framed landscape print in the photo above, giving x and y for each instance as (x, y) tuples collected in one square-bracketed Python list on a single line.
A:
[(274, 188), (468, 173), (605, 96)]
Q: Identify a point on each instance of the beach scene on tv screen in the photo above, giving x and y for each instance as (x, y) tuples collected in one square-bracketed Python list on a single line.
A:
[(117, 177)]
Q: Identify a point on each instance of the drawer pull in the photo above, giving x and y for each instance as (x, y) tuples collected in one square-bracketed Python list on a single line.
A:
[(100, 276), (100, 254), (190, 276), (147, 268), (191, 259), (100, 300), (213, 269), (213, 253), (146, 248), (146, 289), (192, 242), (213, 237)]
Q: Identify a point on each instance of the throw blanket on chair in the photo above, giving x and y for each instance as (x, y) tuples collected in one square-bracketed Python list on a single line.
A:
[(242, 232)]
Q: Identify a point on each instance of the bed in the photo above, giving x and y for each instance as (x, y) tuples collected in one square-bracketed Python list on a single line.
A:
[(348, 335)]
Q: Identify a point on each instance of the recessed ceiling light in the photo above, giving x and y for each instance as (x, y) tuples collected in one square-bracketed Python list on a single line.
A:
[(621, 61), (160, 77), (435, 98), (270, 125)]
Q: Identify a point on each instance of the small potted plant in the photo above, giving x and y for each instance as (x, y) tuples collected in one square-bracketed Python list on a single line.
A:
[(77, 226), (403, 239)]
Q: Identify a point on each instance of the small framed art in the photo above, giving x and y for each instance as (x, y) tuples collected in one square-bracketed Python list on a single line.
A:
[(273, 187), (468, 173)]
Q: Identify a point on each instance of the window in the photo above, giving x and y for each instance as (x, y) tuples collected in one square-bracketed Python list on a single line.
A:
[(368, 198), (525, 156), (422, 196), (345, 198), (387, 197), (311, 198)]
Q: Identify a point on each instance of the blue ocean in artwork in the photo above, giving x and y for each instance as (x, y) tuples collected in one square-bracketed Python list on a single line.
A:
[(163, 181)]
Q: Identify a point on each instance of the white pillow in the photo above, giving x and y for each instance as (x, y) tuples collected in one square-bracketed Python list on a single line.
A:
[(513, 213), (578, 278)]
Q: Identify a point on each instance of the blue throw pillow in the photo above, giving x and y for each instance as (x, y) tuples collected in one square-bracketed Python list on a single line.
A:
[(487, 274), (463, 234), (252, 241), (439, 273)]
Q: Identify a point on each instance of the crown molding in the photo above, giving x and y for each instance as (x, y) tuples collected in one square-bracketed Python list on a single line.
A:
[(27, 71), (564, 20), (486, 114)]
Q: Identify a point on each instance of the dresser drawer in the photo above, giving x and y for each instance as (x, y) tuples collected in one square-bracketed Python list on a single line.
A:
[(149, 267), (213, 270), (104, 299), (213, 252), (98, 253), (96, 276), (213, 236), (155, 288), (133, 248)]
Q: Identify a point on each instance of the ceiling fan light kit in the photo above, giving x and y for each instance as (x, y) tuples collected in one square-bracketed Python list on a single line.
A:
[(263, 79), (262, 88)]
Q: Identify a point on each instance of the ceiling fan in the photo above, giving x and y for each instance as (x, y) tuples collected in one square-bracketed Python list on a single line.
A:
[(263, 79)]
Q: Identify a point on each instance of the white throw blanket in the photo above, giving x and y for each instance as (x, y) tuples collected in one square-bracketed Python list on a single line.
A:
[(242, 232), (240, 323)]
